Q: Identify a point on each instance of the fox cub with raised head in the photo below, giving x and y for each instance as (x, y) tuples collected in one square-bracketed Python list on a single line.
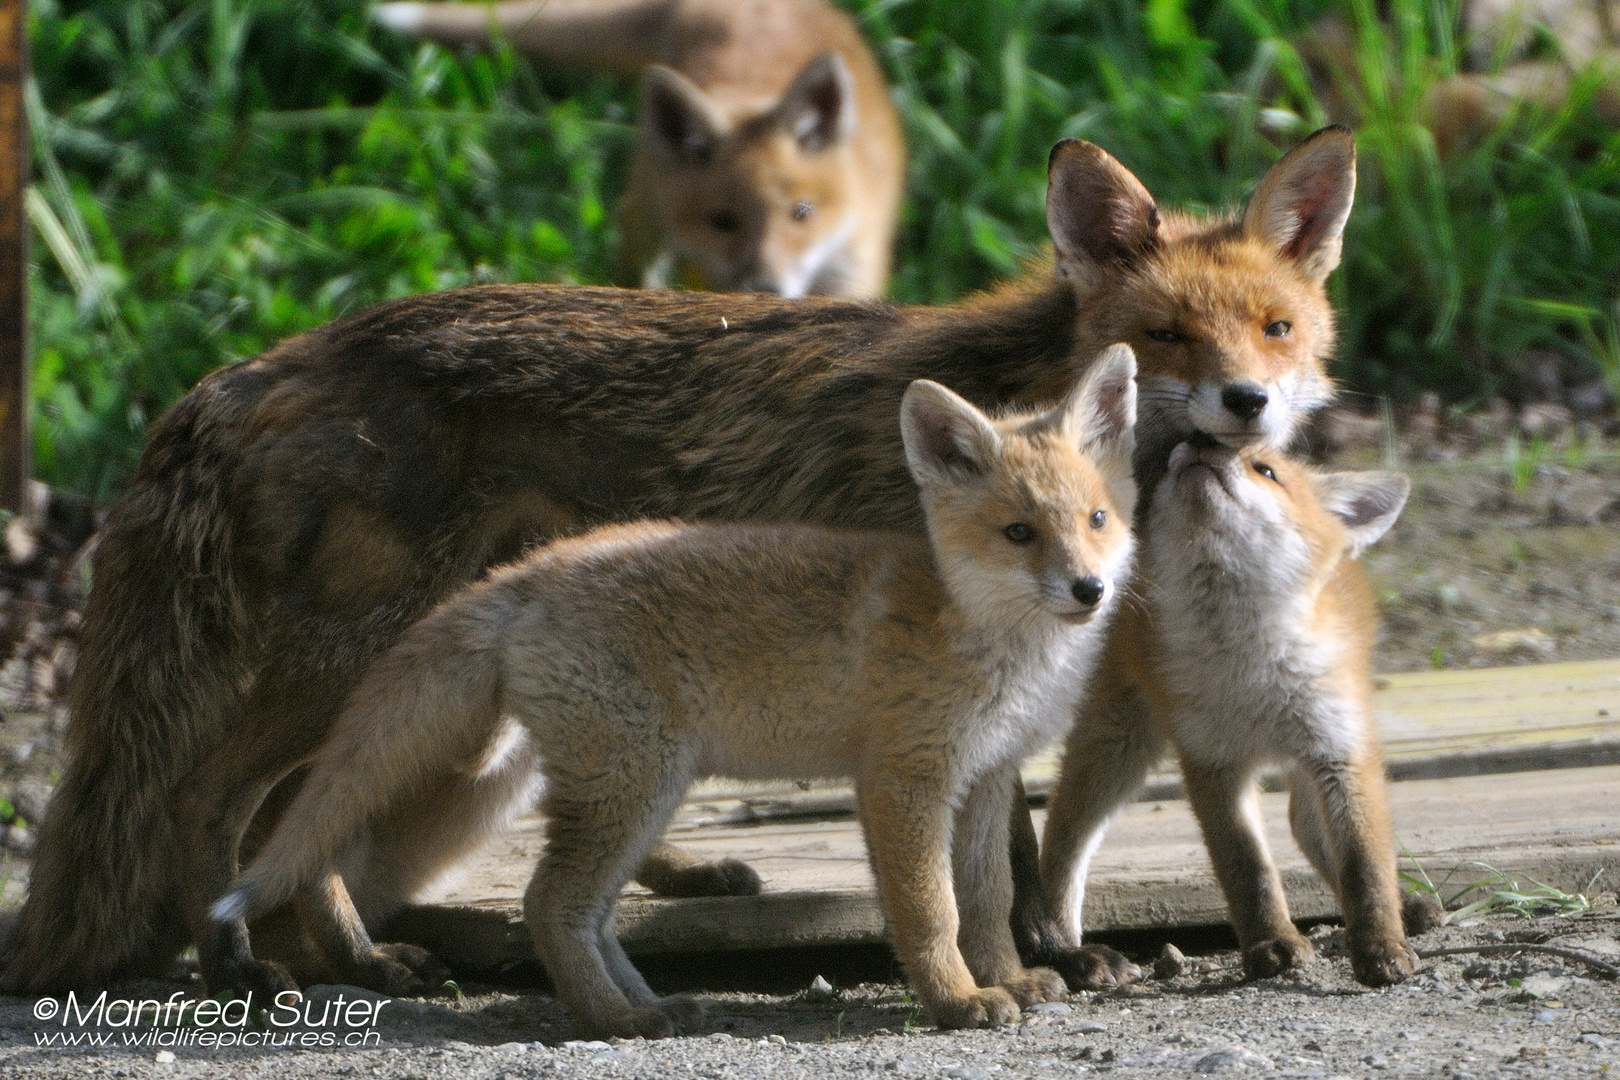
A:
[(768, 155), (1265, 630), (640, 657)]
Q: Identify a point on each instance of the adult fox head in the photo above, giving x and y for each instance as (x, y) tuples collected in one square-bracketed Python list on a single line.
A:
[(1229, 318), (756, 199), (1257, 522), (1029, 513)]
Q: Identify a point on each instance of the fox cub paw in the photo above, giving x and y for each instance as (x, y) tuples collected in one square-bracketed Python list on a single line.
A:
[(670, 1016), (724, 877), (1420, 914), (1264, 959), (1382, 963), (1035, 985), (988, 1007), (1095, 967)]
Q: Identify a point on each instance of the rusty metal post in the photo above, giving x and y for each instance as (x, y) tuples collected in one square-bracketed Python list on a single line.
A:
[(16, 458)]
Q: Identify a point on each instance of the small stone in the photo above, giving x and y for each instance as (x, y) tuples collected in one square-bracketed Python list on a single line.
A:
[(820, 988), (1170, 963), (1050, 1008), (1090, 1027), (594, 1046), (1550, 1016), (1592, 1038), (776, 1040), (164, 1057), (967, 1072)]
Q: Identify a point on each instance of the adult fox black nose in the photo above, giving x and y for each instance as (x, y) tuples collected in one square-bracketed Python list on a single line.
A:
[(1088, 590), (1244, 400)]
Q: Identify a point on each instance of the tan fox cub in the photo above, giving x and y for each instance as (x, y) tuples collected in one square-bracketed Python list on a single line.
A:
[(295, 513), (768, 157), (1266, 623), (641, 657)]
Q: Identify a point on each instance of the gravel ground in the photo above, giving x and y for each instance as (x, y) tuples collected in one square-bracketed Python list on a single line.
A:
[(1463, 1016)]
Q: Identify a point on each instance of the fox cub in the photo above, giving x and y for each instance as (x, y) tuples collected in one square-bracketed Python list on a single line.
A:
[(640, 657), (1265, 628), (768, 156)]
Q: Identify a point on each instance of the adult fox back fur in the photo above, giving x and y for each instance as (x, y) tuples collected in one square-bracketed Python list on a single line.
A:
[(295, 513), (768, 155)]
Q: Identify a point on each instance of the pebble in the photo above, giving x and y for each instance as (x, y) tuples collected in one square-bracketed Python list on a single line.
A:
[(1051, 1008), (164, 1057), (820, 988), (1171, 962), (967, 1072), (581, 1045), (1592, 1038), (776, 1040), (1090, 1027), (1550, 1016)]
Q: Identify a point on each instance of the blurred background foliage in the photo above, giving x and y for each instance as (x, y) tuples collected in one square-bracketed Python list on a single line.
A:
[(216, 175)]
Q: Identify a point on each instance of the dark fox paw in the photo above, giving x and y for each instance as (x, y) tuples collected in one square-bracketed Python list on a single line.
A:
[(398, 970), (1093, 967), (1382, 963), (1420, 913), (1264, 959), (724, 877), (990, 1006), (258, 981)]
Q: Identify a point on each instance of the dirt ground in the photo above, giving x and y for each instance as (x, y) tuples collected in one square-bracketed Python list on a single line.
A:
[(1461, 1017)]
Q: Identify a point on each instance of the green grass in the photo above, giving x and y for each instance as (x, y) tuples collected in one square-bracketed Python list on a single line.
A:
[(214, 176), (1477, 888)]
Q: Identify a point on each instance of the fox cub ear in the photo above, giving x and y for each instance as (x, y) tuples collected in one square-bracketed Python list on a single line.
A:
[(1098, 213), (1366, 502), (819, 108), (681, 118), (947, 439), (1304, 200), (1100, 413)]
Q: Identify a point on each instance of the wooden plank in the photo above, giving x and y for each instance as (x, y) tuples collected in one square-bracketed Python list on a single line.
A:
[(1435, 724), (1152, 871), (16, 460)]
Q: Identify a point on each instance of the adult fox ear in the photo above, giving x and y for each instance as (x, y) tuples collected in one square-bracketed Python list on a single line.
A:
[(1304, 200), (1100, 412), (819, 108), (681, 118), (947, 439), (1098, 213), (1366, 502)]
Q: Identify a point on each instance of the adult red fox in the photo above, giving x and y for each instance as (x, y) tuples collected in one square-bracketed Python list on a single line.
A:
[(295, 513), (768, 156)]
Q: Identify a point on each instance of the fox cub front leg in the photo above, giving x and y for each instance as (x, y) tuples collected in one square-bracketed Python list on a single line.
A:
[(1226, 801), (1339, 817), (984, 893), (906, 817)]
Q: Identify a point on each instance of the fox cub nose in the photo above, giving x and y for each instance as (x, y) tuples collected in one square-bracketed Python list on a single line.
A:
[(1244, 400), (1088, 590)]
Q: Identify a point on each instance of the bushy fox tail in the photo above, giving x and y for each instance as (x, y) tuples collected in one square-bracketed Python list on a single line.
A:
[(164, 654), (621, 36), (428, 704)]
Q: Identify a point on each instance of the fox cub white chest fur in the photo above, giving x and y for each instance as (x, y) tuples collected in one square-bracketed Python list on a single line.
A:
[(1266, 625), (639, 658)]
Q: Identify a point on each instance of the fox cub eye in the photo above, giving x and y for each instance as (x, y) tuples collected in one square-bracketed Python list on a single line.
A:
[(1278, 329), (802, 210), (1019, 533), (1266, 471), (1099, 518), (1167, 337), (725, 221)]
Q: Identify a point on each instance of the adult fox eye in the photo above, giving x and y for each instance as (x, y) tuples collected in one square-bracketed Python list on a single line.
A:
[(1099, 518), (725, 221), (1266, 471), (1168, 337), (1019, 533), (1278, 329), (802, 210)]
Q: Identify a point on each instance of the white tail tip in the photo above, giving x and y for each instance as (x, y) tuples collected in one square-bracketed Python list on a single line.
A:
[(230, 907), (405, 16)]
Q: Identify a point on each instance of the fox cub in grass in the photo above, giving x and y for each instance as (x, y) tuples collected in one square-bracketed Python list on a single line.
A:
[(768, 155), (640, 657), (1265, 622)]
